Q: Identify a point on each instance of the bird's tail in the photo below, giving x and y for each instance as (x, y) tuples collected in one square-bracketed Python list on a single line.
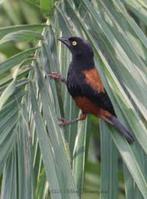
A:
[(122, 129)]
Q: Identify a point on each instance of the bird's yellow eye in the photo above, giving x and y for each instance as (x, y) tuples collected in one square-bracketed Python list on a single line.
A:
[(74, 43)]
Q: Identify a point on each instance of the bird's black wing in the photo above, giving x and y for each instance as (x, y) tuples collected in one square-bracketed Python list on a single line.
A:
[(78, 87)]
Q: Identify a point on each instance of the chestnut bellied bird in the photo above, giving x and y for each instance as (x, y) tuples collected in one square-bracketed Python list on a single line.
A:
[(86, 88)]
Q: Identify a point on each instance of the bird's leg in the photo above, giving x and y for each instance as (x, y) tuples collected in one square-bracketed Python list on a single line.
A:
[(64, 122), (57, 76)]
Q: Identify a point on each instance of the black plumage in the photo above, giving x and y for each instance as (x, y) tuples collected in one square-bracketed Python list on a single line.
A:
[(77, 86), (85, 86)]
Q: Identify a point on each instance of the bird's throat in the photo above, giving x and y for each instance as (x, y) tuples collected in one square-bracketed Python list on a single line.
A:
[(82, 62)]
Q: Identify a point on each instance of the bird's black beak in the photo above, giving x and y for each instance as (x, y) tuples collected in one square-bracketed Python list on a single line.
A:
[(65, 41)]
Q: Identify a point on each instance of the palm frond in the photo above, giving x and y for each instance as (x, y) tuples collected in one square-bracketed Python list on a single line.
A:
[(38, 159)]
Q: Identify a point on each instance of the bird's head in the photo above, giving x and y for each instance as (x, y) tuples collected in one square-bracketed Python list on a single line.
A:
[(78, 46)]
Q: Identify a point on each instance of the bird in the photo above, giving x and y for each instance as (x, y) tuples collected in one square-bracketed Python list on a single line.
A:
[(85, 86)]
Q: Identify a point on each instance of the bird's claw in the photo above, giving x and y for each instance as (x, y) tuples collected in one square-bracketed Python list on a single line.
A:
[(55, 76), (63, 122)]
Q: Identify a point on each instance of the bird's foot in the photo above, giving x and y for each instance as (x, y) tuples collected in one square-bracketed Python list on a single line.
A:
[(56, 76), (64, 122)]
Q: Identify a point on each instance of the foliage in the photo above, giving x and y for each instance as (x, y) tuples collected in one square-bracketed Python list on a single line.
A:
[(38, 159)]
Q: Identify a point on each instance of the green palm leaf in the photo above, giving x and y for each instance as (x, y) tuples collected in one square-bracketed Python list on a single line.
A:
[(38, 159)]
